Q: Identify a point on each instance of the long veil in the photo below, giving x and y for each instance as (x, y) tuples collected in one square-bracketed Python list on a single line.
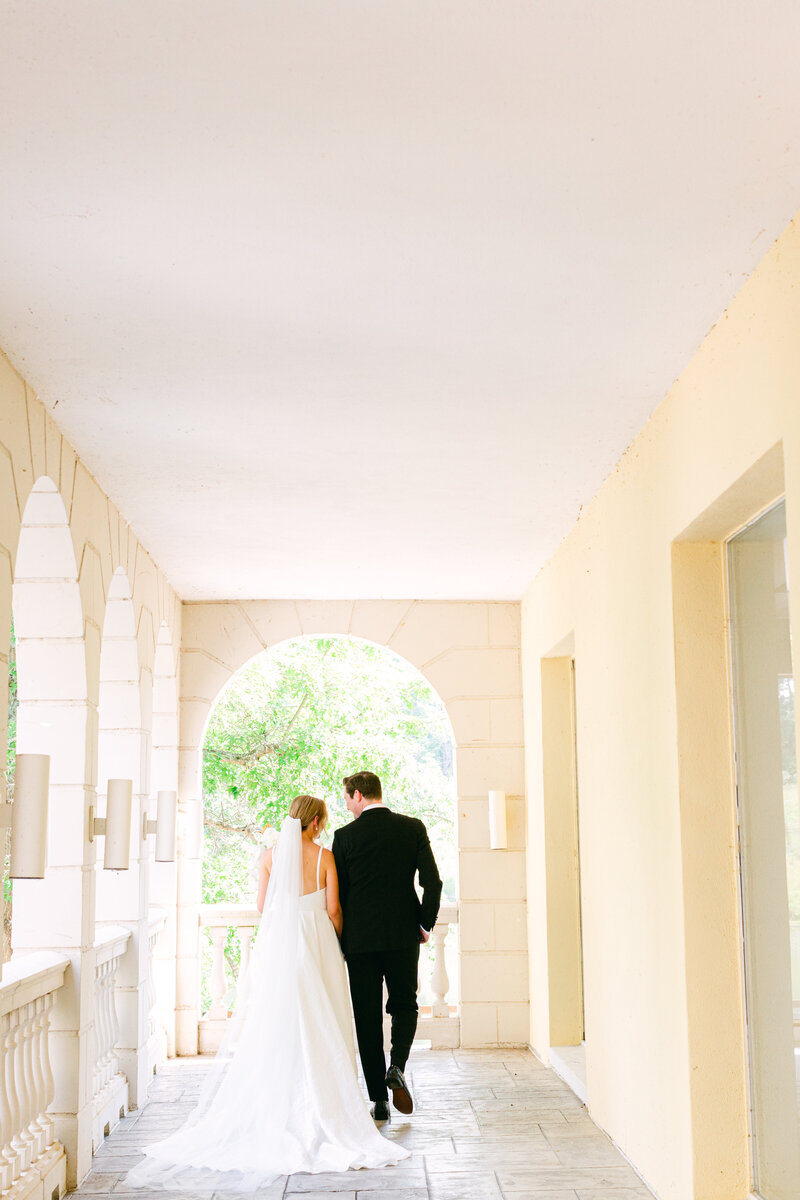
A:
[(265, 1024), (271, 979)]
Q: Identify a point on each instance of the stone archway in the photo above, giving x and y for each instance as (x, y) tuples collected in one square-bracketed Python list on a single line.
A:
[(469, 653), (360, 704)]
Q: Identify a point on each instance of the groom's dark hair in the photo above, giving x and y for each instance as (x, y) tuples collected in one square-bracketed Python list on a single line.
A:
[(365, 782)]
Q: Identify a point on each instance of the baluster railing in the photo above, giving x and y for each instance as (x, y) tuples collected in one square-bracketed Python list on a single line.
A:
[(6, 1114), (440, 982), (20, 1140), (219, 983), (218, 919), (35, 1128), (47, 1084), (11, 1148), (246, 935), (110, 1086), (439, 1021), (25, 1091), (28, 1149)]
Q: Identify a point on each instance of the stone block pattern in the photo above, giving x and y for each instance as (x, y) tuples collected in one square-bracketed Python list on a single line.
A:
[(487, 1125), (63, 545)]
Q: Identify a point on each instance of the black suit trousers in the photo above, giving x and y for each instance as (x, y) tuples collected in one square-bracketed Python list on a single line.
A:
[(367, 972)]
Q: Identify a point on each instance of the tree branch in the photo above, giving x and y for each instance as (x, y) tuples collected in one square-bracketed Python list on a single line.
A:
[(249, 831), (248, 758), (263, 749)]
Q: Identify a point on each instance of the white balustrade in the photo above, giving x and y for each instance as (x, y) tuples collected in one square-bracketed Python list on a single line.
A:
[(32, 1162), (438, 1022), (109, 1085), (218, 919)]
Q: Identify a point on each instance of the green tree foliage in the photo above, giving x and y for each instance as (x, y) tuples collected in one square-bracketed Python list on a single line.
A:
[(300, 718), (297, 720)]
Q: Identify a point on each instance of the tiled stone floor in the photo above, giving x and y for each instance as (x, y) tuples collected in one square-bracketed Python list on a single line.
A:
[(488, 1125)]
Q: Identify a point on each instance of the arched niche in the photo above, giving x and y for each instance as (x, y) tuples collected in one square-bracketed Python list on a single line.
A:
[(54, 716), (48, 622)]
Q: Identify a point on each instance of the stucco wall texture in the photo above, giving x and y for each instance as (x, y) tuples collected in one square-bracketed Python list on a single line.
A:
[(637, 593)]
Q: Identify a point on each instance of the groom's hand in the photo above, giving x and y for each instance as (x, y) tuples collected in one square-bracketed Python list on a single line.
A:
[(423, 935)]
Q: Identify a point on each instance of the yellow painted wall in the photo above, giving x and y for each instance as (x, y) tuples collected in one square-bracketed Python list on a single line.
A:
[(639, 585)]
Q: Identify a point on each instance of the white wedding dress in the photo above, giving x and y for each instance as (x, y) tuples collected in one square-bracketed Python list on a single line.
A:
[(283, 1095)]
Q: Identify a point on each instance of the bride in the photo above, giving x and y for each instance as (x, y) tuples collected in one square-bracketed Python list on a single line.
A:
[(282, 1095)]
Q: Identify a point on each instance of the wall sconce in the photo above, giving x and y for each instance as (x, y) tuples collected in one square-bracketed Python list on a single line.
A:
[(498, 823), (27, 816), (115, 826), (164, 826)]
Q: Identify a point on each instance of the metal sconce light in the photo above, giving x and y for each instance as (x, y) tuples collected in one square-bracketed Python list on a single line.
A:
[(115, 826), (27, 816), (498, 823), (164, 826)]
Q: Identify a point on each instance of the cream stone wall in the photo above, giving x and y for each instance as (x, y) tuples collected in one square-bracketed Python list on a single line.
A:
[(637, 591), (469, 652), (73, 542)]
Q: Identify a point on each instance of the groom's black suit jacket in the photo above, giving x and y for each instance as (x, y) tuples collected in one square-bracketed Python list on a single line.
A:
[(377, 857)]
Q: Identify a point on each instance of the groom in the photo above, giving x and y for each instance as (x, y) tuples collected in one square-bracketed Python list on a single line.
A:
[(377, 858)]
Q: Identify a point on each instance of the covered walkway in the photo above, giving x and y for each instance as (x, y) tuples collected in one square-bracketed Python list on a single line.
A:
[(467, 331), (488, 1124)]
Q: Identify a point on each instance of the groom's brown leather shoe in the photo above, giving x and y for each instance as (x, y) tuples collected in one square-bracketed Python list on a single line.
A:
[(401, 1096)]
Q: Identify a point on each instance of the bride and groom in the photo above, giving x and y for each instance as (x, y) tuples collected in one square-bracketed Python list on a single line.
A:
[(283, 1094)]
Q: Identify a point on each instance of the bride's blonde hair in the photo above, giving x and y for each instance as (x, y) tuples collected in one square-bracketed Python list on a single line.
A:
[(305, 808)]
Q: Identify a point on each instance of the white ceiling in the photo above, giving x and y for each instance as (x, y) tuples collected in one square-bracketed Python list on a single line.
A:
[(366, 298)]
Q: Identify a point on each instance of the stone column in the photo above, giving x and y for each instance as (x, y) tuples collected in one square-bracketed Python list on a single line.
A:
[(164, 876), (187, 997), (58, 716), (122, 896)]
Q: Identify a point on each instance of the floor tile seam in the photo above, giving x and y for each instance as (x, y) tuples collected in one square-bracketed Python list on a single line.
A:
[(427, 1176)]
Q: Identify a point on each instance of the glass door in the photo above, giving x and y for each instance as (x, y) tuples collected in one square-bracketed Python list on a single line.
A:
[(769, 845)]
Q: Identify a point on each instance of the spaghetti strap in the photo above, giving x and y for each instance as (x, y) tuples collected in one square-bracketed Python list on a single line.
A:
[(319, 860)]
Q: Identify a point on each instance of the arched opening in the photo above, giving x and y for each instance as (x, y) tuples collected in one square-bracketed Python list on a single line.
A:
[(52, 715), (297, 718)]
